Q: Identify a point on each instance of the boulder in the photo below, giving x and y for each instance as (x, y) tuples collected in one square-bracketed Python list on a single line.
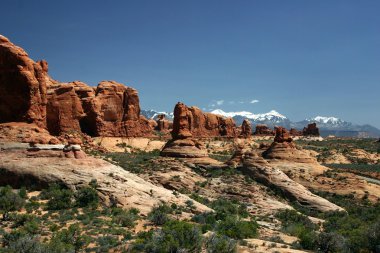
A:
[(263, 130), (311, 130)]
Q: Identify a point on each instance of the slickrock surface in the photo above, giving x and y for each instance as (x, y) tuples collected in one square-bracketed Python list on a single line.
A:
[(40, 168), (259, 169)]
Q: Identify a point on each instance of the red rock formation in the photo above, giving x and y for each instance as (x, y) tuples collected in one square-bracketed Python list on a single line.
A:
[(263, 130), (113, 110), (201, 124), (22, 86), (64, 109), (246, 129), (295, 132), (282, 135), (311, 130), (163, 125), (28, 94)]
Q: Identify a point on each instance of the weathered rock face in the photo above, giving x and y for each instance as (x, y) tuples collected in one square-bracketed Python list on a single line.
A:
[(114, 110), (163, 125), (64, 109), (182, 144), (22, 86), (246, 129), (263, 130), (283, 148), (311, 130), (28, 94), (282, 135), (191, 120), (259, 169)]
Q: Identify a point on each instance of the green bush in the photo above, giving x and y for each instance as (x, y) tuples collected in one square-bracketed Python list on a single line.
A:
[(236, 228), (160, 214), (175, 236), (86, 197), (220, 244), (9, 201), (58, 197), (125, 218)]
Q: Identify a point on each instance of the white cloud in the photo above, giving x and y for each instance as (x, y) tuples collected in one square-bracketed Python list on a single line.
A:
[(231, 102), (254, 101), (219, 102)]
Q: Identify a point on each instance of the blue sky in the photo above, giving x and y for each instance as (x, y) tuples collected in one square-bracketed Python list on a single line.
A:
[(301, 58)]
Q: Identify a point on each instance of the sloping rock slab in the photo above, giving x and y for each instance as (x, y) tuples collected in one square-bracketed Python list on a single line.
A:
[(20, 167), (261, 170)]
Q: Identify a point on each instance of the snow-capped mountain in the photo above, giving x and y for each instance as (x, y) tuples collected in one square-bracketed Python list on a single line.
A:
[(272, 118), (327, 125), (152, 114)]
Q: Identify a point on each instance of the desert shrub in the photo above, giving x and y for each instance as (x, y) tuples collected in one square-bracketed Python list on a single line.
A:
[(70, 239), (294, 222), (58, 197), (175, 236), (160, 214), (87, 197), (9, 201), (331, 242), (125, 218), (220, 244), (236, 228), (107, 242), (26, 244)]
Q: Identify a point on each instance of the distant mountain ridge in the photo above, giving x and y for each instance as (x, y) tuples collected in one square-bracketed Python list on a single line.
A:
[(327, 125)]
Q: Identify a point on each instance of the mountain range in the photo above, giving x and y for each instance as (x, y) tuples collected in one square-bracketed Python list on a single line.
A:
[(327, 125)]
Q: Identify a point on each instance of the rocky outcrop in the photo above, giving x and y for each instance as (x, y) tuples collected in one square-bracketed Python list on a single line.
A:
[(201, 124), (22, 167), (114, 110), (182, 144), (263, 130), (64, 109), (26, 133), (283, 148), (282, 135), (295, 132), (260, 170), (163, 125), (246, 129), (22, 86), (311, 130), (28, 94)]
